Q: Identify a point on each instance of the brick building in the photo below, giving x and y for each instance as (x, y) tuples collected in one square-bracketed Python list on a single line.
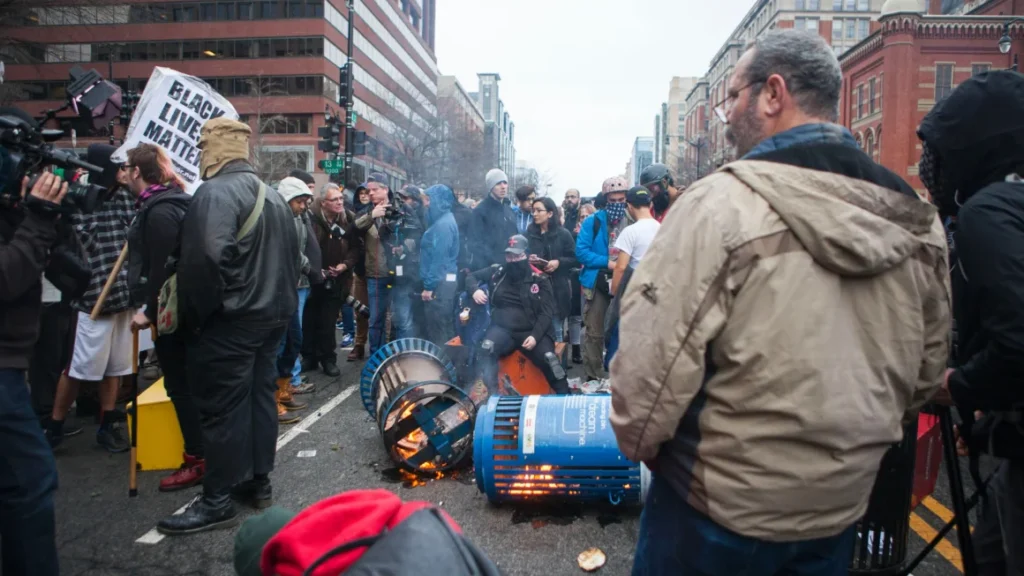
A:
[(276, 60), (917, 56)]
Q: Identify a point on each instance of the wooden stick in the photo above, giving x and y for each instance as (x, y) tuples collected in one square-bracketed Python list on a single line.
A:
[(133, 479), (110, 283)]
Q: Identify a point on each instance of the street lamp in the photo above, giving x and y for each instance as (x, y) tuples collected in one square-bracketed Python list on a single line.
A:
[(1006, 43)]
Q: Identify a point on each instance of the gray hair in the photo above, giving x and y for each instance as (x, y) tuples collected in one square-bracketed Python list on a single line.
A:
[(327, 188), (807, 64)]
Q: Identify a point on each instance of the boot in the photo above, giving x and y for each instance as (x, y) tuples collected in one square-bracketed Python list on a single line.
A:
[(190, 474), (204, 513), (256, 493), (331, 369), (357, 353), (577, 358), (284, 416), (284, 395)]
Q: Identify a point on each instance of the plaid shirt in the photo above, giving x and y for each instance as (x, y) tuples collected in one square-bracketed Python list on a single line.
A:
[(103, 234)]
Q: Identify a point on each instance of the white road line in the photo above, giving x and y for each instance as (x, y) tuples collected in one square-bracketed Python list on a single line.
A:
[(154, 537)]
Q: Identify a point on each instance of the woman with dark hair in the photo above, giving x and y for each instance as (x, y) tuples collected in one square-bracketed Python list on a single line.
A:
[(553, 251)]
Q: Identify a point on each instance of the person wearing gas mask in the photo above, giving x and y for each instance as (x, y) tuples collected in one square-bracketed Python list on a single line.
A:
[(28, 230), (522, 313), (594, 250), (658, 180), (972, 164), (236, 278)]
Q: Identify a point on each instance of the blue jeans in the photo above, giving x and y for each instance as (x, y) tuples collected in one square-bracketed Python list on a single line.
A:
[(380, 298), (291, 343), (401, 310), (28, 479), (559, 325), (677, 540), (348, 320)]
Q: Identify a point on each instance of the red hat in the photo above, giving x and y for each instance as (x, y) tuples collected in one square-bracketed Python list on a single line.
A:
[(332, 522)]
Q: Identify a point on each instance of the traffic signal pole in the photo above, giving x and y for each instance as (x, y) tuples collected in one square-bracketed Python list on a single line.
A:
[(350, 126)]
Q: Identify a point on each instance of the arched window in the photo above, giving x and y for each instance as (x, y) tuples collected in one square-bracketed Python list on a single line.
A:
[(860, 141), (869, 144), (878, 144)]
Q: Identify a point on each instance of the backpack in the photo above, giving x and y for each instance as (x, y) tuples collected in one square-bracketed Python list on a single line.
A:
[(168, 316)]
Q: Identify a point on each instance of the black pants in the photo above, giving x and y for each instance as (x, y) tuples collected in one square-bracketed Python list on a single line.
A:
[(51, 355), (233, 378), (505, 343), (171, 350), (319, 320), (999, 533), (439, 315)]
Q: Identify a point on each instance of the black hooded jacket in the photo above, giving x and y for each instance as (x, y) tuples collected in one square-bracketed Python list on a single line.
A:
[(152, 238), (977, 134), (556, 244), (492, 225)]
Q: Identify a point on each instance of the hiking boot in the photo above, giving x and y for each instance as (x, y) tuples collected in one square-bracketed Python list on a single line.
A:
[(286, 417), (201, 515), (256, 493), (190, 474), (113, 437), (331, 369), (284, 395)]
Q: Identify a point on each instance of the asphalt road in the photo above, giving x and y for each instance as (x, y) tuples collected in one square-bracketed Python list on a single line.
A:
[(99, 528)]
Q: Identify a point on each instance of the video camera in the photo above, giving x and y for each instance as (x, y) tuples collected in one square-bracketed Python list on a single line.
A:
[(26, 149)]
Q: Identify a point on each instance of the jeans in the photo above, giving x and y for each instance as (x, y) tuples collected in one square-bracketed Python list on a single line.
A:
[(348, 320), (288, 364), (575, 327), (677, 540), (297, 366), (559, 325), (439, 315), (380, 299), (28, 479), (401, 310)]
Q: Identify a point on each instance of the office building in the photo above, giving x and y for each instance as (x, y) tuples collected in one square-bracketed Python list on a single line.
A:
[(500, 131)]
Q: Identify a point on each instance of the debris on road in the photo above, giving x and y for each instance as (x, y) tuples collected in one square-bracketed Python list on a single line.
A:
[(307, 453), (591, 559)]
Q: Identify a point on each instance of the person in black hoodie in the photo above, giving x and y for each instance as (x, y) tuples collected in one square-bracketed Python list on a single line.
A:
[(553, 250), (972, 163), (152, 238), (493, 223)]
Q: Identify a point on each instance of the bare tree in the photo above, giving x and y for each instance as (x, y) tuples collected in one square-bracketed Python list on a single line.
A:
[(415, 139), (269, 165)]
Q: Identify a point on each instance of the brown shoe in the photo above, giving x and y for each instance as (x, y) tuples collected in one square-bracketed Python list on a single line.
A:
[(286, 417), (284, 395), (358, 353)]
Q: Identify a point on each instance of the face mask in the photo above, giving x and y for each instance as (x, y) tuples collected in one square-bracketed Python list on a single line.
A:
[(930, 173), (518, 269), (616, 211)]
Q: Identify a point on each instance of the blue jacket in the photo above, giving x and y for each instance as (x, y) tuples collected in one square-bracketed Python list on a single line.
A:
[(590, 251), (439, 248)]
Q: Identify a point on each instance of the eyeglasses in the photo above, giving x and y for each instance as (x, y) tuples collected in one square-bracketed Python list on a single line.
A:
[(722, 110), (571, 197), (125, 167), (539, 210), (338, 199)]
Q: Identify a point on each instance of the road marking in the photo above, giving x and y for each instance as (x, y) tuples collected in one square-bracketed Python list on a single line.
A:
[(938, 509), (945, 548), (155, 537)]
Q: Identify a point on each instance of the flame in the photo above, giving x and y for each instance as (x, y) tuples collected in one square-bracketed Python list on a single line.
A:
[(407, 410), (531, 484)]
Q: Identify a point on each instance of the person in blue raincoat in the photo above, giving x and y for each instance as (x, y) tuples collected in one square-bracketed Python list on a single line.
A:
[(439, 256)]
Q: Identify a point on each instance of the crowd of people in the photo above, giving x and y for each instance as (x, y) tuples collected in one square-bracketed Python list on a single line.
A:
[(769, 331)]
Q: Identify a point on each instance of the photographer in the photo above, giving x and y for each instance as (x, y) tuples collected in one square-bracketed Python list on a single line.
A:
[(377, 225), (29, 474), (971, 163), (405, 309)]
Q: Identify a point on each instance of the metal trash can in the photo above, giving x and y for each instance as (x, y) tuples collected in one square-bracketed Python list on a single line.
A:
[(399, 361), (553, 448), (880, 546)]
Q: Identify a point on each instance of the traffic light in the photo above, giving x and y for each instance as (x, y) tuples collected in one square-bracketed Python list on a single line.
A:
[(129, 102), (358, 143), (329, 134), (343, 83)]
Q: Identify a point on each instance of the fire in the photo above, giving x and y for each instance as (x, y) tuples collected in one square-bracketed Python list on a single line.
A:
[(407, 410), (531, 484)]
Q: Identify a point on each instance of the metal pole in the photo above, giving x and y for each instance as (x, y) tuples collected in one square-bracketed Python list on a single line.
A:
[(349, 124)]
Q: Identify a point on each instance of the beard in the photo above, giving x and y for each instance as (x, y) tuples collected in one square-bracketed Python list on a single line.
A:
[(745, 131)]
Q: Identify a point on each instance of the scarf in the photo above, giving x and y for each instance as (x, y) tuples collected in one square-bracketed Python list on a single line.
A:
[(148, 193), (616, 212)]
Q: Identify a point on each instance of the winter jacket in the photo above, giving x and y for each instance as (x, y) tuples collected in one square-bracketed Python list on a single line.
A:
[(315, 276), (523, 219), (463, 219), (790, 314), (152, 238), (103, 234), (592, 249), (25, 240), (376, 234), (249, 280), (493, 224), (534, 288), (570, 216), (556, 244), (439, 255), (337, 245)]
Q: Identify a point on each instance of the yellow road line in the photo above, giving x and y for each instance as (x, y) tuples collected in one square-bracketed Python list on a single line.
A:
[(938, 509), (945, 547)]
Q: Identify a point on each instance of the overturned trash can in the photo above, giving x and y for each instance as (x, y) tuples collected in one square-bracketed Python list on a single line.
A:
[(553, 449), (880, 546), (424, 418)]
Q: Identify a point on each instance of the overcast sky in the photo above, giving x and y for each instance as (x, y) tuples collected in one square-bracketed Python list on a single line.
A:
[(581, 79)]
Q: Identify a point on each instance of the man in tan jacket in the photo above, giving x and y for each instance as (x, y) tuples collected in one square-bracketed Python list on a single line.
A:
[(792, 311)]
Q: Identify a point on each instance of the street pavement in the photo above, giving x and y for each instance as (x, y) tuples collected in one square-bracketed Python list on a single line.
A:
[(101, 531)]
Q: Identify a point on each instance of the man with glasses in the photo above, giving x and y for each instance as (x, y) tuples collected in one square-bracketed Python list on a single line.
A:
[(789, 315), (571, 209), (594, 251)]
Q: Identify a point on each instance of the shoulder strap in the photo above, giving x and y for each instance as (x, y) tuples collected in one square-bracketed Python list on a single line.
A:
[(254, 216), (597, 226)]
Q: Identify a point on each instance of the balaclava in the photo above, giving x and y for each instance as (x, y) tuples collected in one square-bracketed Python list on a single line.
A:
[(930, 172), (222, 140)]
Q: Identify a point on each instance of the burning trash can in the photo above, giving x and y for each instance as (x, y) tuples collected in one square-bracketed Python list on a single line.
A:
[(553, 448), (425, 419)]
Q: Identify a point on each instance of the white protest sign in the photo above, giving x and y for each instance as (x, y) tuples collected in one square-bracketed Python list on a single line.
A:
[(172, 110)]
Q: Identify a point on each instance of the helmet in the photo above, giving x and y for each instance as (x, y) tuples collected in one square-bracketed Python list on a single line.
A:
[(614, 184), (656, 173)]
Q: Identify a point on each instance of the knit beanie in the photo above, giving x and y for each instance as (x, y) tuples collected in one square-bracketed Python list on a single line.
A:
[(495, 177)]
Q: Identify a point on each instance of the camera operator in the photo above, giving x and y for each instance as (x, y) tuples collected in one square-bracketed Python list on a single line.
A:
[(378, 224), (972, 164), (407, 310), (28, 472)]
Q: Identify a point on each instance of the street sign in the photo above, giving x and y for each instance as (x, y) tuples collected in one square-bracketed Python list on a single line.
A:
[(355, 117), (332, 166)]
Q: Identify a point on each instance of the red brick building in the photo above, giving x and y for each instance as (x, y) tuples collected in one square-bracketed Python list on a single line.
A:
[(915, 58), (276, 60)]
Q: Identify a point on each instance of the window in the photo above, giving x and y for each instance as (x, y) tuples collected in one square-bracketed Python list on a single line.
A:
[(207, 12), (860, 101), (869, 147), (871, 96), (943, 80), (980, 69), (245, 11), (863, 29), (800, 5), (807, 24), (280, 162), (850, 5), (837, 29), (881, 81), (863, 5), (837, 5), (225, 11), (851, 29), (290, 124)]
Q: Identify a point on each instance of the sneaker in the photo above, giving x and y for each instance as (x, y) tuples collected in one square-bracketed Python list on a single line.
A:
[(56, 434), (346, 341), (339, 325), (113, 438), (304, 388), (151, 372)]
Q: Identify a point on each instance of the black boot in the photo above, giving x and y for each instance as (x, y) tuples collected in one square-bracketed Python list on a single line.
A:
[(331, 369), (204, 513), (256, 493), (576, 357)]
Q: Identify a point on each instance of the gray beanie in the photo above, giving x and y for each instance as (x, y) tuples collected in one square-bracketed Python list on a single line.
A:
[(495, 177)]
